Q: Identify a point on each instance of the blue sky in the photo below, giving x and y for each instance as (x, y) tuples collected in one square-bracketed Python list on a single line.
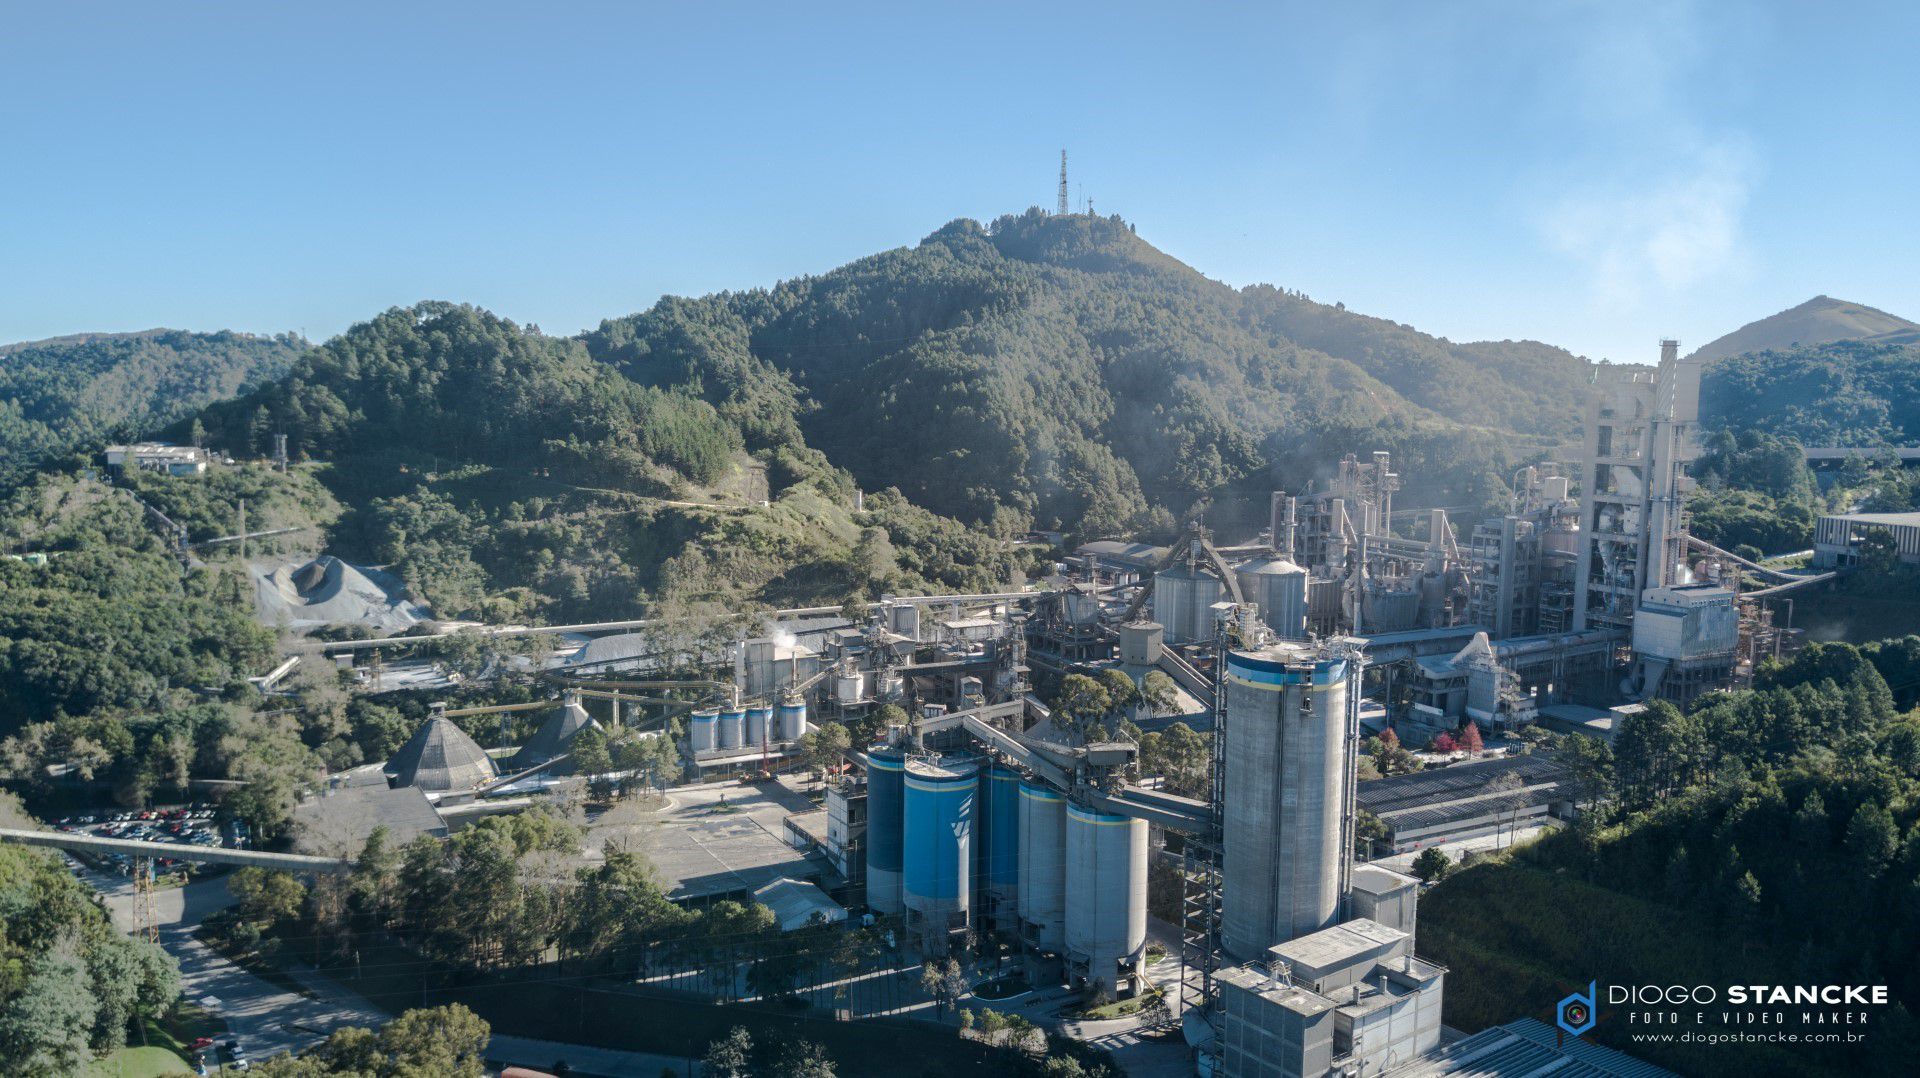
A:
[(1594, 175)]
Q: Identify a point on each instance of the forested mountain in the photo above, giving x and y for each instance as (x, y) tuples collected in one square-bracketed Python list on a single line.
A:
[(1844, 393), (58, 394), (1060, 371), (507, 475), (1820, 320)]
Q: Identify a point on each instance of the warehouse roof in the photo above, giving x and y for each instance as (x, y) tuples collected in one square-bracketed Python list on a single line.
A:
[(1891, 520), (1528, 1047), (339, 823), (1423, 789), (798, 903)]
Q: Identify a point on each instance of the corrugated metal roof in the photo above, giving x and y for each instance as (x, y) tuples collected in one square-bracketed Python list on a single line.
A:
[(797, 903), (1528, 1047)]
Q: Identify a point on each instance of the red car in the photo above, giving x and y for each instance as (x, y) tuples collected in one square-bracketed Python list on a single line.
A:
[(200, 1044)]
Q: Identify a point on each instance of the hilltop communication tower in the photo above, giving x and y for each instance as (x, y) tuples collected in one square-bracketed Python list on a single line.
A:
[(1062, 209)]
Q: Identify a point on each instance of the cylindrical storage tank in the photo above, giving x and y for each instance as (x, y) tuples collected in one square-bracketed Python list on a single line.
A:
[(1182, 602), (791, 720), (759, 720), (1286, 786), (847, 688), (1002, 829), (936, 856), (1043, 864), (1279, 588), (886, 808), (1140, 643), (1106, 896), (732, 723), (703, 730)]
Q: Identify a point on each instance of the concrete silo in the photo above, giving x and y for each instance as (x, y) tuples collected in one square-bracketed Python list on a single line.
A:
[(759, 722), (703, 730), (1279, 588), (1000, 802), (1287, 778), (733, 720), (1106, 915), (1043, 876), (791, 719), (936, 857), (1183, 598), (886, 809)]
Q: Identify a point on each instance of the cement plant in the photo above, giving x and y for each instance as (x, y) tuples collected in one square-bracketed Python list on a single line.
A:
[(679, 541)]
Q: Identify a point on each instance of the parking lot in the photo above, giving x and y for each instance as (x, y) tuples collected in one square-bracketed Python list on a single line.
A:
[(186, 825)]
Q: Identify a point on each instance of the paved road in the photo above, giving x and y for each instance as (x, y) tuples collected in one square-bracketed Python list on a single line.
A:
[(268, 1019)]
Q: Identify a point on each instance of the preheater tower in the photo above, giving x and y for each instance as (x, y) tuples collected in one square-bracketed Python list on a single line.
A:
[(1286, 795)]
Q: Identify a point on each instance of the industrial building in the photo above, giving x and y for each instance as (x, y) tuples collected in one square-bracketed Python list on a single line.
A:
[(1526, 1048), (1468, 799), (158, 457), (1351, 999), (1836, 537)]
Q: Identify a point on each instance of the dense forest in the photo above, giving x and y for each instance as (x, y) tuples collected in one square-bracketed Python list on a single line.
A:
[(69, 393), (1847, 393), (1060, 372), (1763, 836)]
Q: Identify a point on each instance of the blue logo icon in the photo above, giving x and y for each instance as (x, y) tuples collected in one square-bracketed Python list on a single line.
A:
[(1576, 1014)]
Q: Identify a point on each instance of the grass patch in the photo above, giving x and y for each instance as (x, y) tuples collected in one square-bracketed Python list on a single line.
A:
[(1121, 1008), (165, 1050), (138, 1063)]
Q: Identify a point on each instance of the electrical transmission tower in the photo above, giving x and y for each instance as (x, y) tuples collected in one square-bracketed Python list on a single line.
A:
[(146, 919), (1063, 184)]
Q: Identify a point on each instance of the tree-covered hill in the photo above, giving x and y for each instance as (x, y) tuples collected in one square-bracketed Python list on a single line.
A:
[(455, 383), (1060, 371), (1844, 393), (509, 476), (61, 394)]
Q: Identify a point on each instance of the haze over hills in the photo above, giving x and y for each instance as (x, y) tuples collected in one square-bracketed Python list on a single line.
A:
[(1820, 320)]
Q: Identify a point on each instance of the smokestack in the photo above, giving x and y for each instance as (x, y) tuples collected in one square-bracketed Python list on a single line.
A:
[(1669, 350), (1281, 523)]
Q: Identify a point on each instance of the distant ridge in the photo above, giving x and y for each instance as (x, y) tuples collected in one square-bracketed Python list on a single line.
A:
[(1820, 320)]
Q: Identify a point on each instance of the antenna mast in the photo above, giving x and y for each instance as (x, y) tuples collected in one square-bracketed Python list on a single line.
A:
[(1062, 211)]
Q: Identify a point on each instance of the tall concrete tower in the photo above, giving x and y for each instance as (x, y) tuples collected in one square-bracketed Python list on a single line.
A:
[(1062, 208), (1288, 799)]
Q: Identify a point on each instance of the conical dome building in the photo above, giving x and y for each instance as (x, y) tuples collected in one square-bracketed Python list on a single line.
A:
[(441, 757), (555, 735)]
